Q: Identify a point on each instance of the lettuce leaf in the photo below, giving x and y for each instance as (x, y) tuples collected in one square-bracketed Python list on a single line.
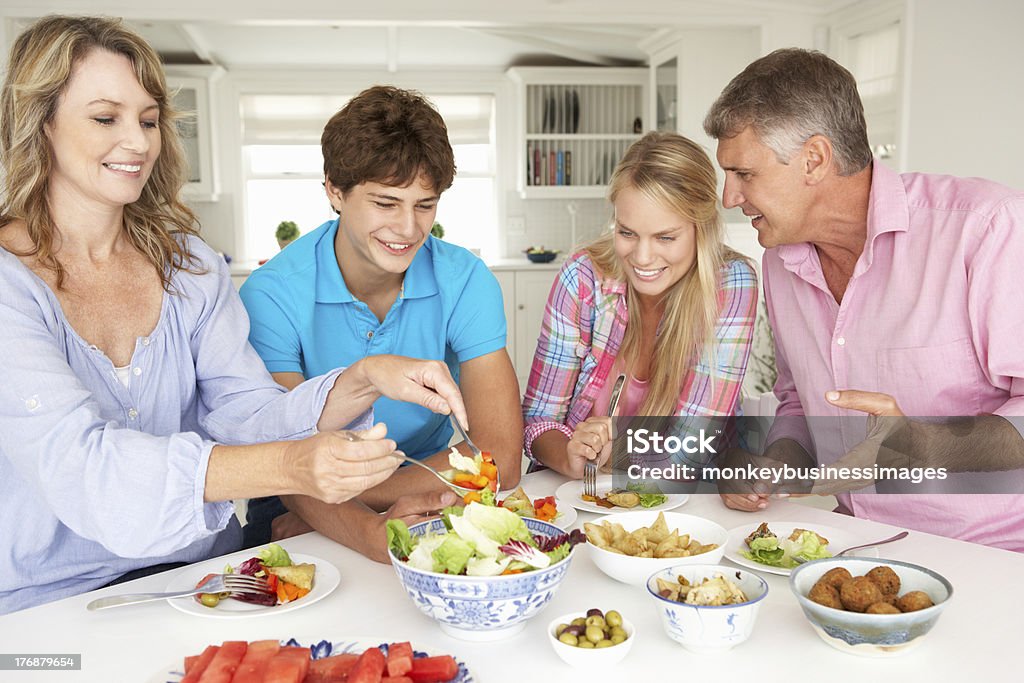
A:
[(399, 540)]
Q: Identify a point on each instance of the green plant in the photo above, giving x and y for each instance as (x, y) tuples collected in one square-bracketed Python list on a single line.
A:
[(437, 230), (286, 231), (762, 353)]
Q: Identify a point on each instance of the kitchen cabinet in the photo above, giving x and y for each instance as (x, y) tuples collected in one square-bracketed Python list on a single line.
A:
[(573, 125), (190, 87), (525, 292)]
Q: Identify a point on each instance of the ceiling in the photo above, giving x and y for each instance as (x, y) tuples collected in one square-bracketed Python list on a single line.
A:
[(403, 35)]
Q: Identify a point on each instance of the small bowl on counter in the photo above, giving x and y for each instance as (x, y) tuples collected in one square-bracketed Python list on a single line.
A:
[(709, 629), (864, 633), (600, 655), (541, 255)]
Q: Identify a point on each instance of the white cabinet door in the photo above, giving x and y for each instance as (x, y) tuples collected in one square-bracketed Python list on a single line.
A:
[(507, 282), (532, 289)]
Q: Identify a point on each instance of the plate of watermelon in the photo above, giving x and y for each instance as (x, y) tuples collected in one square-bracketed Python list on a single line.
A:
[(321, 579), (356, 660)]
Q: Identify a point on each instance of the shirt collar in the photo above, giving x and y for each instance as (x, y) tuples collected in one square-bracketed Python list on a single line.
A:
[(887, 212), (330, 285)]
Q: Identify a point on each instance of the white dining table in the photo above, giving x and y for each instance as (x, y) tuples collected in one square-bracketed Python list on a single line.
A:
[(975, 639)]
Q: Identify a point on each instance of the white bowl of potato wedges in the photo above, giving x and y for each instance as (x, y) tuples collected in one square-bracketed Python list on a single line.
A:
[(630, 546)]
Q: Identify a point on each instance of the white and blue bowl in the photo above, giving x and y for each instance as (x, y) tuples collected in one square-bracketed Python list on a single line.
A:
[(482, 607), (871, 635), (709, 629)]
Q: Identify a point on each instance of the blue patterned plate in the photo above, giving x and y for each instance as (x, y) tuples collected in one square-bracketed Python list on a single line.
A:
[(326, 648)]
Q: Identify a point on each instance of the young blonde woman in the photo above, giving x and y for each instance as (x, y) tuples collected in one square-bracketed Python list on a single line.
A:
[(660, 299)]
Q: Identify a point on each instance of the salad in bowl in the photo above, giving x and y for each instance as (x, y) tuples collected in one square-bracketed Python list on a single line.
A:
[(481, 571)]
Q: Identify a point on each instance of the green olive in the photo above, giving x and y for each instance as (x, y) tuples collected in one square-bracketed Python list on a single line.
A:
[(209, 599), (597, 621), (613, 618), (580, 621), (595, 634), (617, 630), (617, 638), (586, 645), (604, 643), (561, 627), (568, 639)]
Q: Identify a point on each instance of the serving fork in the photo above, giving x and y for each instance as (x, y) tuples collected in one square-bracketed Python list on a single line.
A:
[(590, 466), (473, 448), (219, 583)]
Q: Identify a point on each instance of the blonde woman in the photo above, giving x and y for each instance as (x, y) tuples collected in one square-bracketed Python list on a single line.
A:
[(125, 363), (660, 299)]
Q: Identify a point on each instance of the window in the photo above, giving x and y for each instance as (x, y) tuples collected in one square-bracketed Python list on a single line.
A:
[(283, 167)]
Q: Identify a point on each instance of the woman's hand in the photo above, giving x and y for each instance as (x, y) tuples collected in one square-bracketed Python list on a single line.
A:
[(426, 382), (336, 466), (592, 440)]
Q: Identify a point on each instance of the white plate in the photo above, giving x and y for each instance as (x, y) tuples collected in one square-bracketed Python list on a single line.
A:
[(571, 492), (838, 539), (566, 512), (173, 673), (325, 580)]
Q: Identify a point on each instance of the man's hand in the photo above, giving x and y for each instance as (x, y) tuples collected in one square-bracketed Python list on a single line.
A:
[(411, 509), (885, 419), (287, 525), (426, 382)]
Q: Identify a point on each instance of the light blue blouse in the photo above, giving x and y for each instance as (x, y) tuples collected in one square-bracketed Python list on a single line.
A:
[(98, 479)]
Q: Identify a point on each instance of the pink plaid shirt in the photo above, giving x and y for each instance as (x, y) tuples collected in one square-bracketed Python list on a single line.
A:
[(933, 315), (584, 323)]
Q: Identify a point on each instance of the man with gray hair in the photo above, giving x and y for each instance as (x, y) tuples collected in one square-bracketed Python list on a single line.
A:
[(890, 295)]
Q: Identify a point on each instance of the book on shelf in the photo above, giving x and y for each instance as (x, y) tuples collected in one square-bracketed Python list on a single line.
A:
[(552, 168), (560, 168), (568, 167)]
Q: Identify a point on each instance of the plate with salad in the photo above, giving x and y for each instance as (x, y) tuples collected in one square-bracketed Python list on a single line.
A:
[(609, 499), (772, 546), (298, 581)]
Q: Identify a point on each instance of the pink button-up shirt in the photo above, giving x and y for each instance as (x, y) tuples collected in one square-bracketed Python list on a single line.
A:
[(933, 315)]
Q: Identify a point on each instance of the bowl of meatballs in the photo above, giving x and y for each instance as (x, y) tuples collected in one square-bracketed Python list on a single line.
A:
[(869, 607)]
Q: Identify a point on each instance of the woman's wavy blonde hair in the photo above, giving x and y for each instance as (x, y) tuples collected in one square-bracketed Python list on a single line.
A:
[(40, 65), (677, 174)]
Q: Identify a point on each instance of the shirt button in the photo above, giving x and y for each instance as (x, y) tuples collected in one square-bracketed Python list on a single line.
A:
[(136, 371), (32, 404), (369, 335), (132, 413), (841, 341), (145, 341)]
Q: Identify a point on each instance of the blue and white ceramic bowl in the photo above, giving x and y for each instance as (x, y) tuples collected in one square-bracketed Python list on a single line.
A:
[(871, 635), (703, 628), (482, 607)]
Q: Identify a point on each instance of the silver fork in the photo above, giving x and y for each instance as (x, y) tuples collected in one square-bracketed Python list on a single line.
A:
[(219, 583), (590, 466), (473, 447)]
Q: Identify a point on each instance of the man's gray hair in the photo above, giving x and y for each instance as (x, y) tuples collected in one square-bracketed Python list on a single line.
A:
[(789, 96)]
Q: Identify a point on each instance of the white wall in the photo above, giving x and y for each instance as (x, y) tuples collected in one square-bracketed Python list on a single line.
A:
[(964, 108)]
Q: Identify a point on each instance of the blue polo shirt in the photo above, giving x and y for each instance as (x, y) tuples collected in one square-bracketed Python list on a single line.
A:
[(304, 319)]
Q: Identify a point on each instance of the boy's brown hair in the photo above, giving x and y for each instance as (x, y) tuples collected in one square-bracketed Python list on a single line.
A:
[(387, 135)]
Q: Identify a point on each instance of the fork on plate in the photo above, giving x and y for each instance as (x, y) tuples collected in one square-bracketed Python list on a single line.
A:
[(218, 583), (590, 466)]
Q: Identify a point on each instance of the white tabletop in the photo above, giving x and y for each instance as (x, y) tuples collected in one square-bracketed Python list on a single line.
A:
[(975, 639)]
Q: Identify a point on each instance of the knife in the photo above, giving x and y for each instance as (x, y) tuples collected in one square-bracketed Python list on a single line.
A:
[(614, 402)]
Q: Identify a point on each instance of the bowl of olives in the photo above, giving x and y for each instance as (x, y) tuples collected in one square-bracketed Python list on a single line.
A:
[(591, 639)]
